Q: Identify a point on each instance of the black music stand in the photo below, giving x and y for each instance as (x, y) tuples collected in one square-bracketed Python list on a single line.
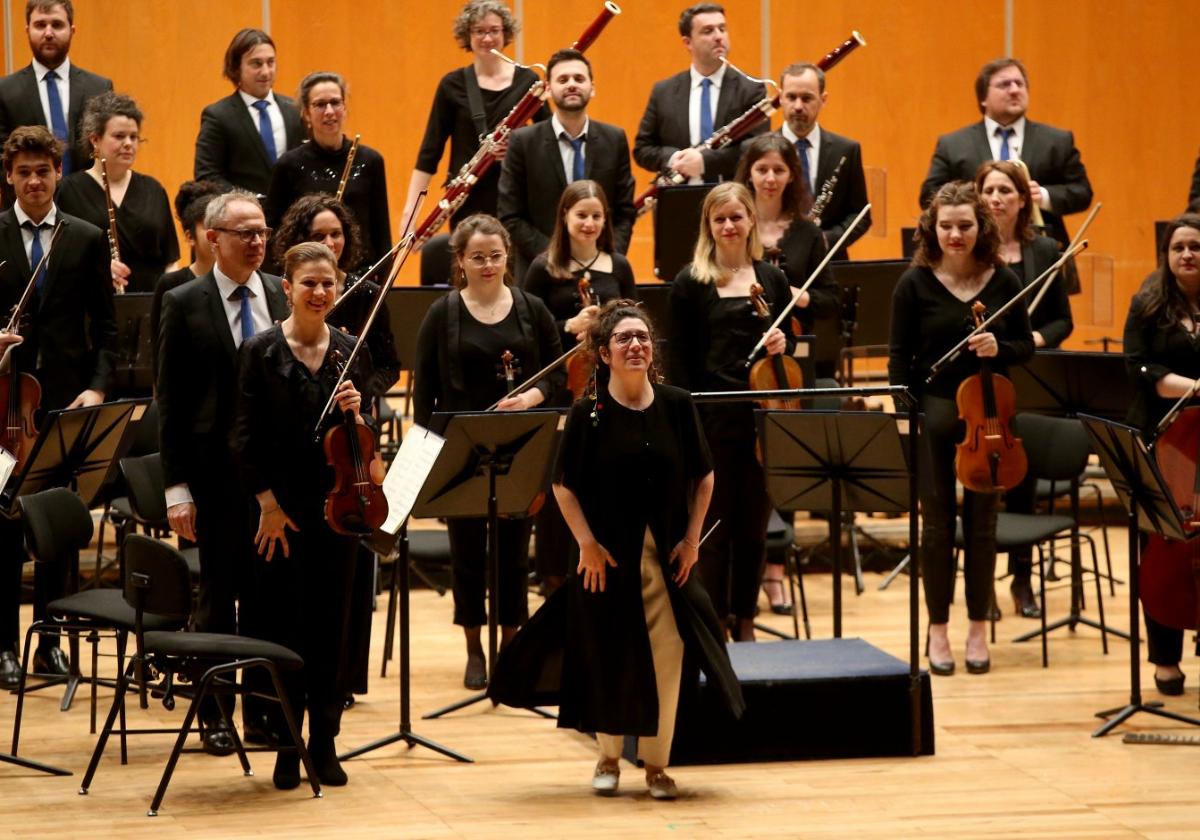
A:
[(493, 463), (1064, 383), (134, 373), (676, 223), (76, 448), (834, 462), (1151, 508)]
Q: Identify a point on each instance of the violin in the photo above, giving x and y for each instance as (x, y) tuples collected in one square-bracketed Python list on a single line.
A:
[(509, 370), (21, 394), (990, 459), (579, 366), (775, 372), (356, 504), (1169, 570)]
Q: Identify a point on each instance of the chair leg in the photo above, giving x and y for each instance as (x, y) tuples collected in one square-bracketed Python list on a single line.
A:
[(94, 641), (122, 641), (393, 601), (73, 671), (16, 737), (290, 718), (180, 740), (1099, 595), (789, 565), (1042, 599), (118, 704), (1112, 582)]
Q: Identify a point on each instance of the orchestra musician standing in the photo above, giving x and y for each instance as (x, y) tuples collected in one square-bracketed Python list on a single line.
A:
[(686, 109), (242, 136), (112, 124), (468, 103), (956, 265), (1194, 192), (459, 367), (1163, 359), (69, 347), (303, 569), (714, 326), (318, 164), (545, 157), (802, 92)]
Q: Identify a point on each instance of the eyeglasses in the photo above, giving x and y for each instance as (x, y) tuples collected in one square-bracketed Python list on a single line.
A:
[(624, 339), (322, 104), (495, 32), (1004, 84), (495, 258), (247, 236)]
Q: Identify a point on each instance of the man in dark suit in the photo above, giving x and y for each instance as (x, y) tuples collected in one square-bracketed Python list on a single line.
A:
[(1194, 192), (687, 108), (37, 94), (203, 324), (1057, 177), (542, 159), (802, 91), (242, 135), (69, 345)]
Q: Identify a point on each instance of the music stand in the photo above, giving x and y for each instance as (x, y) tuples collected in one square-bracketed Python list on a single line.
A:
[(1150, 507), (834, 462), (134, 371), (493, 463), (1064, 383), (676, 223), (75, 448)]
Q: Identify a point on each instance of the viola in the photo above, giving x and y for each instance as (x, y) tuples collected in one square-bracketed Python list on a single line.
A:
[(21, 395), (1170, 569), (356, 505), (775, 372), (579, 366), (990, 459)]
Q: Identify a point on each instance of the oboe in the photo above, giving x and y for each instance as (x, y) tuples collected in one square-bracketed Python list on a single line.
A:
[(348, 167), (826, 193)]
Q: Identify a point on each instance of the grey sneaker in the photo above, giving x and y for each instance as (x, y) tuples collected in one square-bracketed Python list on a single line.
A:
[(661, 786), (606, 778)]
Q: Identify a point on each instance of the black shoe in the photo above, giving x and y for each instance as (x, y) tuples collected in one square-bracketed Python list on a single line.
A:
[(1172, 687), (51, 661), (260, 732), (475, 677), (325, 760), (979, 666), (10, 670), (348, 701), (287, 770), (1023, 601), (218, 740)]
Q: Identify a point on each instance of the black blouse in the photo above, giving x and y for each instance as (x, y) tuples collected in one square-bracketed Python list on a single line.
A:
[(927, 320), (1052, 318), (562, 296), (145, 227), (350, 317), (450, 119), (1153, 350), (311, 168), (797, 254)]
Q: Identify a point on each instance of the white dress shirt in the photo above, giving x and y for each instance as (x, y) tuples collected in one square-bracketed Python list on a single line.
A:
[(566, 149), (275, 115), (1015, 144), (814, 150), (64, 89), (714, 95), (44, 233)]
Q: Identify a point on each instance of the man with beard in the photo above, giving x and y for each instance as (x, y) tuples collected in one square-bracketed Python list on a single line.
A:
[(51, 91), (546, 156), (1058, 179), (687, 108), (802, 89)]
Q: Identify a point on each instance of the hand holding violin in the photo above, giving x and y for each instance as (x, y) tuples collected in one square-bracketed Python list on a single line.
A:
[(522, 401), (776, 342), (349, 399), (984, 345), (581, 323), (593, 562)]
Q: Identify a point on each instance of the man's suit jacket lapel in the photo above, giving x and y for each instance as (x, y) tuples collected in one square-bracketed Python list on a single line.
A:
[(57, 252), (31, 98), (216, 311), (595, 149), (678, 108), (827, 158), (14, 246), (729, 93), (1033, 149), (75, 106), (241, 116), (277, 303), (981, 148), (552, 157)]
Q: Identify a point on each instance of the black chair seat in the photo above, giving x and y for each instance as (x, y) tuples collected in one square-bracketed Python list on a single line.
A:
[(780, 532), (221, 646), (1020, 530), (120, 507), (429, 546), (107, 606)]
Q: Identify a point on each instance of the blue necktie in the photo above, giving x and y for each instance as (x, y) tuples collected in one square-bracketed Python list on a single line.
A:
[(265, 130), (577, 161), (706, 117), (36, 251), (247, 316), (1004, 134), (58, 119), (802, 147)]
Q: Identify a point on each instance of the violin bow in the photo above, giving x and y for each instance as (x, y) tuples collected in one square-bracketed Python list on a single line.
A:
[(1078, 238), (1176, 408), (953, 352), (816, 273), (524, 386)]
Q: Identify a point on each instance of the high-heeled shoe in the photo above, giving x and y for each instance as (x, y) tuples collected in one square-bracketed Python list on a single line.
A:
[(941, 669), (979, 666), (776, 596), (1023, 601)]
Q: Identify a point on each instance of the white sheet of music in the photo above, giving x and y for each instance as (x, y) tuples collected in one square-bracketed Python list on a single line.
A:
[(408, 472)]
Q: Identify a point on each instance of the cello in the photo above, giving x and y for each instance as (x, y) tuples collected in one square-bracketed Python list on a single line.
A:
[(990, 459)]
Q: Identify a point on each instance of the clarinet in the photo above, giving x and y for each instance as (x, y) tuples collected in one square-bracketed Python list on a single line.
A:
[(826, 194)]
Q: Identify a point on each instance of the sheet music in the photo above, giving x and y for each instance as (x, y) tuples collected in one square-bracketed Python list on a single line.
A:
[(407, 475), (7, 464)]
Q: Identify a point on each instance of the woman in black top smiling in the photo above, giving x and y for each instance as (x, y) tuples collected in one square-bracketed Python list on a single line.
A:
[(956, 265)]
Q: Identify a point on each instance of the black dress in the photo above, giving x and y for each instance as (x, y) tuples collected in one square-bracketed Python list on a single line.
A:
[(305, 596), (311, 168), (350, 317), (711, 336), (590, 652), (1052, 318), (145, 227), (797, 254), (450, 119)]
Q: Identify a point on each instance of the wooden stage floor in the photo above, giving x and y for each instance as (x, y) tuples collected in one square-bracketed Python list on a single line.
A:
[(1015, 757)]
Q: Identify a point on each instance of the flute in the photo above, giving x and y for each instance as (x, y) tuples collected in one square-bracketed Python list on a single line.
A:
[(347, 168), (114, 247)]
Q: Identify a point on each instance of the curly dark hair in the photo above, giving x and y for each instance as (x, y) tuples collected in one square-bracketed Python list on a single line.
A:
[(34, 140), (192, 201), (475, 11), (611, 314), (1161, 299), (956, 194), (100, 109), (296, 227)]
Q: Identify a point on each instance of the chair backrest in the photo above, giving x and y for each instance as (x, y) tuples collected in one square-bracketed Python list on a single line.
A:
[(436, 261), (157, 578), (145, 436), (57, 526), (147, 488), (1057, 447)]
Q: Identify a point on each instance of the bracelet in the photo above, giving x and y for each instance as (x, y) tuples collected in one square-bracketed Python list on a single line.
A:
[(690, 544)]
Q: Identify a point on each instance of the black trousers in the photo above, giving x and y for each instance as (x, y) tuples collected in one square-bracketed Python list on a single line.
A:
[(306, 601), (938, 507), (731, 560), (469, 557), (49, 582), (357, 655), (1164, 645), (1020, 499)]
